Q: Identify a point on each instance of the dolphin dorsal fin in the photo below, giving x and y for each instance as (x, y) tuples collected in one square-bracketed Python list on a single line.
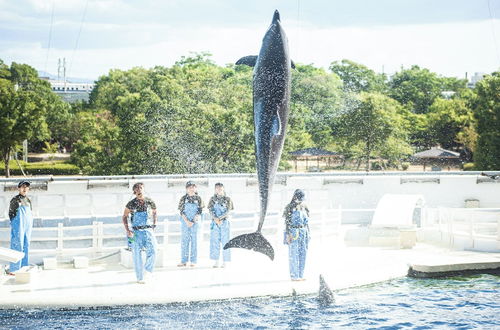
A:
[(250, 60)]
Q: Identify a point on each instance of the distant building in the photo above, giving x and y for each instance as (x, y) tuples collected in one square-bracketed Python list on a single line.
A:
[(448, 94), (70, 91), (477, 77)]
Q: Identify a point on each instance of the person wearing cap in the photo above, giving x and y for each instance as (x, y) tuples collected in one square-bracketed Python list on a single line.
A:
[(142, 212), (190, 207), (21, 224), (219, 207), (297, 234)]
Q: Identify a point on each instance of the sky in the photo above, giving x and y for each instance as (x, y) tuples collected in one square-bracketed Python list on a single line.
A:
[(449, 37)]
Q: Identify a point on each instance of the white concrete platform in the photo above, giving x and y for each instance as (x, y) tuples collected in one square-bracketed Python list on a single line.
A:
[(249, 275)]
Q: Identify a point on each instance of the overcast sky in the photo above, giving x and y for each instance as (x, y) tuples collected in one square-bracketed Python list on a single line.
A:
[(449, 37)]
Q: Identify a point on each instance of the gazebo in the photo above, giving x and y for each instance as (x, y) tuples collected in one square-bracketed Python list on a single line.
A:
[(437, 156), (314, 154)]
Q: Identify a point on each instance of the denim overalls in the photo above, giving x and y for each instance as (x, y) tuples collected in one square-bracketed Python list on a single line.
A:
[(20, 235), (143, 239), (219, 234), (189, 248), (299, 232)]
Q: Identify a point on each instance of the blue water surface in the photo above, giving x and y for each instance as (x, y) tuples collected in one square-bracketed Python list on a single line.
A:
[(471, 302)]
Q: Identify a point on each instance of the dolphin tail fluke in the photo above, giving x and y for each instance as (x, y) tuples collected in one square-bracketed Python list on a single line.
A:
[(325, 295), (254, 241)]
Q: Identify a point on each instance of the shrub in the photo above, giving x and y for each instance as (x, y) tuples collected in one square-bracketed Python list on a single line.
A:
[(405, 166), (469, 167), (41, 168)]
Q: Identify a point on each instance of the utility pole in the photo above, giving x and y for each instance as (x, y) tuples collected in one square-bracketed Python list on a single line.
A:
[(64, 73), (25, 151), (58, 69)]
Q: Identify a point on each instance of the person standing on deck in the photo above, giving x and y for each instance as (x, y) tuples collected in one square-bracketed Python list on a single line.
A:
[(297, 234), (21, 224), (142, 211), (219, 207), (190, 207)]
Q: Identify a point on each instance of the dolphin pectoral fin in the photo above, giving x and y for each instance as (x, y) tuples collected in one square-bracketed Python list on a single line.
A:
[(250, 60), (254, 241), (276, 125)]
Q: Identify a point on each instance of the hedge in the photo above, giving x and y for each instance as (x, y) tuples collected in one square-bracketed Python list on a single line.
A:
[(41, 168), (469, 167)]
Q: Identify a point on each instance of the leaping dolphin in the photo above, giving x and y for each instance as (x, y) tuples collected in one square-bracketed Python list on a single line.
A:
[(271, 97)]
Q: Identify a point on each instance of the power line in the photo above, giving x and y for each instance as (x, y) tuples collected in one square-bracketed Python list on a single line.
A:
[(494, 33), (297, 49), (50, 37), (78, 37)]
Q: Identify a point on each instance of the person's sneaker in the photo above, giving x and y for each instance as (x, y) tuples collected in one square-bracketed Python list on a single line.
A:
[(141, 281), (181, 265), (216, 265), (223, 265), (193, 265)]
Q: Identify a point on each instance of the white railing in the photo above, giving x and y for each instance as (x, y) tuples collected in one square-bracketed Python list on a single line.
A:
[(101, 238), (465, 224)]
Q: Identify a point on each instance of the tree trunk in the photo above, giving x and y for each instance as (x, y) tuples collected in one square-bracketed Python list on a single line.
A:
[(6, 161), (368, 151)]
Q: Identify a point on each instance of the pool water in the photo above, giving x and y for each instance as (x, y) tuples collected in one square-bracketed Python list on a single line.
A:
[(458, 303)]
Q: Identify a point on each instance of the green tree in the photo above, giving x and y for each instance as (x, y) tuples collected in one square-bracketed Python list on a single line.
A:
[(60, 119), (357, 77), (372, 121), (96, 149), (487, 113), (181, 119), (448, 119), (415, 88), (315, 100), (24, 101)]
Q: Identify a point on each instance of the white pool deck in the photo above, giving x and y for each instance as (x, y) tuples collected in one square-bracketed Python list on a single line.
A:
[(249, 275)]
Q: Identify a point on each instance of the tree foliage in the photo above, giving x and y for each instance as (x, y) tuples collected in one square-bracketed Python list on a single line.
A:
[(24, 102), (196, 116), (449, 120), (357, 77), (371, 121), (415, 88), (487, 114)]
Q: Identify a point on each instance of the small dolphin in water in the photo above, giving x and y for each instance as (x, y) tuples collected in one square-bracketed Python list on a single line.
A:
[(325, 295), (271, 97)]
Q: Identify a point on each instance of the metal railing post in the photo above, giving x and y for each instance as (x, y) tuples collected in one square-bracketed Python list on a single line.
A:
[(165, 233), (471, 228), (94, 236), (100, 234), (60, 235), (498, 232)]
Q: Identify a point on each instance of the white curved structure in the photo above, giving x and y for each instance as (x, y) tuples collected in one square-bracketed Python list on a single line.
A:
[(396, 210)]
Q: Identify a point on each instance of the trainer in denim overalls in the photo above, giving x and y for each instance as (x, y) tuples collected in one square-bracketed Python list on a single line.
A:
[(190, 207), (297, 234), (142, 211), (21, 224), (219, 207)]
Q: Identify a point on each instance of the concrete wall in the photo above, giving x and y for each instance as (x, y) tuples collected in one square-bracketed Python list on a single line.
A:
[(99, 196)]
